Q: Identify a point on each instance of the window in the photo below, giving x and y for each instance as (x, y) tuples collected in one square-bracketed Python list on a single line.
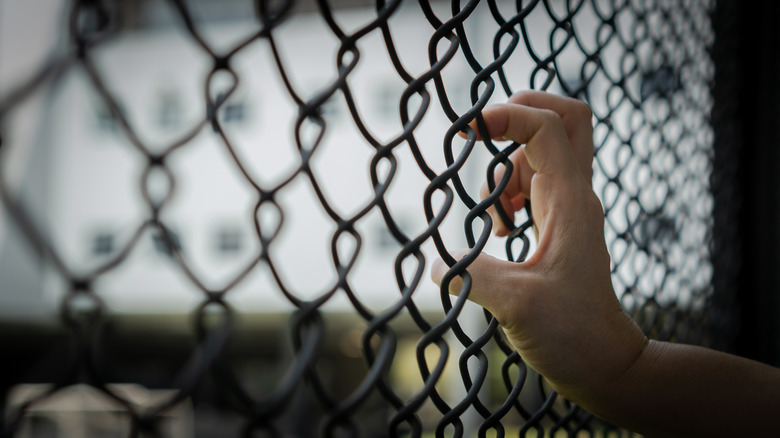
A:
[(385, 239), (103, 244), (387, 100), (333, 108), (233, 112), (663, 82), (169, 113), (385, 242), (229, 241), (107, 121), (164, 246), (228, 112)]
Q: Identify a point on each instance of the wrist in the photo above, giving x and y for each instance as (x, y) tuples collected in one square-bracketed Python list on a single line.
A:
[(613, 367)]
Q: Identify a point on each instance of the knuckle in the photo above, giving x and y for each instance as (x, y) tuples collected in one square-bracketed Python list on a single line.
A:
[(582, 111), (512, 313), (550, 117), (521, 97), (593, 207), (590, 149)]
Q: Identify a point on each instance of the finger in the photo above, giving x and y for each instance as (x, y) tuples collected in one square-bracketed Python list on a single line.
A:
[(547, 147), (510, 203), (490, 277), (549, 155), (547, 150), (577, 120), (576, 116)]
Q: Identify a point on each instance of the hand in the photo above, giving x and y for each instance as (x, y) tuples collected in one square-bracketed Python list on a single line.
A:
[(560, 312), (558, 308)]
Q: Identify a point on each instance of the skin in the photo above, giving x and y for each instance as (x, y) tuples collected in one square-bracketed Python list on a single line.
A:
[(560, 311)]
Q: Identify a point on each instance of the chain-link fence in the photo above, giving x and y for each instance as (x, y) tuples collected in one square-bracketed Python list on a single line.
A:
[(272, 180)]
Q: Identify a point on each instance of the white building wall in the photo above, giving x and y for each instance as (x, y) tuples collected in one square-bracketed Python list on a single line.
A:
[(96, 173)]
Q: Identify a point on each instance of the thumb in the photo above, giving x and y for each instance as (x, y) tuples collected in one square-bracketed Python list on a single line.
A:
[(491, 279)]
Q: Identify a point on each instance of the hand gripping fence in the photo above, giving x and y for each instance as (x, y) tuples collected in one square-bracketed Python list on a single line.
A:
[(647, 69)]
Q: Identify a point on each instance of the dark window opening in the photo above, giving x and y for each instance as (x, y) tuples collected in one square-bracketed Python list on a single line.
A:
[(229, 241), (233, 112), (107, 121), (166, 246), (387, 100), (662, 82), (170, 110), (332, 108), (385, 241), (103, 244)]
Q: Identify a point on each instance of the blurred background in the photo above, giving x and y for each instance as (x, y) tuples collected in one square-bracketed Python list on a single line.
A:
[(74, 167), (71, 164)]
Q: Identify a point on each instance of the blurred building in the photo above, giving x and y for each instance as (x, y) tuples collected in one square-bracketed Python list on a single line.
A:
[(77, 171), (84, 180)]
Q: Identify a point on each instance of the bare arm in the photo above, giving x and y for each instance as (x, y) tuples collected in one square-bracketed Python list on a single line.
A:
[(559, 309), (687, 391)]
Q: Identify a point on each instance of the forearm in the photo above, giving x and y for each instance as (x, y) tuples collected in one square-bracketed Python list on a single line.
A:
[(683, 390)]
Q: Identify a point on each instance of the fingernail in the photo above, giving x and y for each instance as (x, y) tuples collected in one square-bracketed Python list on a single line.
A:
[(438, 268), (496, 223)]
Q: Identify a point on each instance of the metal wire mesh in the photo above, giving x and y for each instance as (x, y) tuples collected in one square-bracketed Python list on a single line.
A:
[(645, 67)]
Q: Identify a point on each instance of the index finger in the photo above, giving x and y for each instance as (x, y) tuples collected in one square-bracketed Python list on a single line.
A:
[(577, 121), (548, 154), (547, 148)]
